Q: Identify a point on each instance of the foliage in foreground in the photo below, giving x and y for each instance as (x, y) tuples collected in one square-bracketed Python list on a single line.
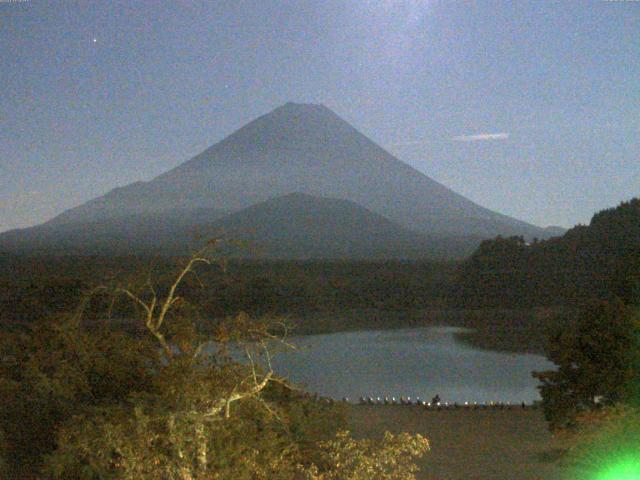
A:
[(598, 364), (346, 458), (171, 403)]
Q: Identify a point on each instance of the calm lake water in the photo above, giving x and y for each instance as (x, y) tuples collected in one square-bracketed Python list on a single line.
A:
[(418, 362)]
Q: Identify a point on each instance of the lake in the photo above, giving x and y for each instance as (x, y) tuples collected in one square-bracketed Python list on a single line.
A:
[(417, 362)]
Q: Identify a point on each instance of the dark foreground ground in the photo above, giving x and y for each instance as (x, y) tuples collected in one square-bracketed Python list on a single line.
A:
[(469, 444)]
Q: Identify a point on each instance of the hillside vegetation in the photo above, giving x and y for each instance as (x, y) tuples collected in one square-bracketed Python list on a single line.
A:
[(598, 261)]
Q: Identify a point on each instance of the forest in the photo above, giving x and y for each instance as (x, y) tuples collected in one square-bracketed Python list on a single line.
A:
[(596, 261), (36, 287)]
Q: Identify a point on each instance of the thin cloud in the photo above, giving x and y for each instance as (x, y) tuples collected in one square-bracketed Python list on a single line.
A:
[(478, 137), (481, 137), (407, 144)]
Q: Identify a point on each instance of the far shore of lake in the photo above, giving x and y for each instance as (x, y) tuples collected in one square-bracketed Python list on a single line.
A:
[(496, 329)]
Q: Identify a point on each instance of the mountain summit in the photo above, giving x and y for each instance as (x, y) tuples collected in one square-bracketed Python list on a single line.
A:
[(292, 125), (301, 148), (304, 148)]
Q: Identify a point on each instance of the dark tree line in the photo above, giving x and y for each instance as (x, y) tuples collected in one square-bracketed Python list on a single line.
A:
[(598, 261), (32, 288)]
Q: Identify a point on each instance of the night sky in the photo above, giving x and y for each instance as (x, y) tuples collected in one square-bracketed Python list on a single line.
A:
[(530, 109)]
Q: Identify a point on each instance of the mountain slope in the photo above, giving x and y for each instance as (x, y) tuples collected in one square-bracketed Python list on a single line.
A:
[(309, 149), (160, 232), (293, 226)]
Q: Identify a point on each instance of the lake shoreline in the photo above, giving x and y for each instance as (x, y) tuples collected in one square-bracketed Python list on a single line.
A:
[(498, 330), (411, 363)]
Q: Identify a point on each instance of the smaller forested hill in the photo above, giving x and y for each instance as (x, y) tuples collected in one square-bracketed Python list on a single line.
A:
[(600, 260), (300, 226)]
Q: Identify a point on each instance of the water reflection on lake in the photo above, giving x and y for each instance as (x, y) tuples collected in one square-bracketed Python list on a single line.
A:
[(418, 362)]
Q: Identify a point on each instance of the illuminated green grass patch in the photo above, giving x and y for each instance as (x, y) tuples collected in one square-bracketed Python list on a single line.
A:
[(608, 448), (624, 469)]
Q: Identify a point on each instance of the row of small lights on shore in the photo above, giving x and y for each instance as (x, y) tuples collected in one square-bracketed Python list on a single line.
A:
[(422, 403)]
